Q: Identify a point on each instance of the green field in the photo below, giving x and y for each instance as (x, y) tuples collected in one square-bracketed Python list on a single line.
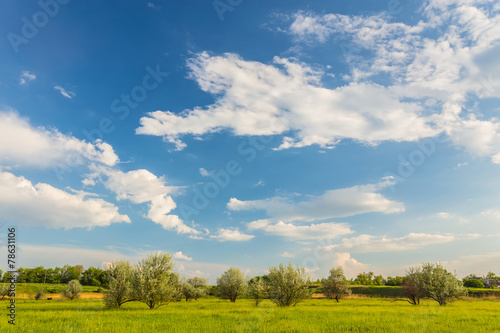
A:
[(213, 315)]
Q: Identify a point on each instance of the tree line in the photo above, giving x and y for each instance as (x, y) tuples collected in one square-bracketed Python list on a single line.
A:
[(91, 276), (152, 281)]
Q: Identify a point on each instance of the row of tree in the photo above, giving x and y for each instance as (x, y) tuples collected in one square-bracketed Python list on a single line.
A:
[(92, 276), (153, 282)]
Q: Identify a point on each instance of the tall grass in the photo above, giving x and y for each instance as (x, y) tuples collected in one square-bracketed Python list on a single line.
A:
[(213, 315)]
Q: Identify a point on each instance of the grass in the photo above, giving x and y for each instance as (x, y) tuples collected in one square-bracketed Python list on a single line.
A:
[(213, 315), (33, 288)]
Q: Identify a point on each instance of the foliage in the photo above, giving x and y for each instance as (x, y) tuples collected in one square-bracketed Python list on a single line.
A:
[(4, 291), (368, 279), (413, 285), (231, 284), (93, 276), (336, 286), (441, 285), (473, 283), (257, 289), (120, 290), (73, 290), (153, 282), (194, 288), (69, 273), (394, 281), (40, 295), (288, 285)]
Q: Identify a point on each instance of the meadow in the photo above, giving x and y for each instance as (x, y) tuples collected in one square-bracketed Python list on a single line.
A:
[(357, 314)]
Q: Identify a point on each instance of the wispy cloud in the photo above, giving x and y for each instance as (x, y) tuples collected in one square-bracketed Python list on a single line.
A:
[(333, 203), (204, 172), (26, 77), (64, 92)]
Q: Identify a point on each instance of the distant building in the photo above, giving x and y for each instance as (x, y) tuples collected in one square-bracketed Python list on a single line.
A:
[(491, 283)]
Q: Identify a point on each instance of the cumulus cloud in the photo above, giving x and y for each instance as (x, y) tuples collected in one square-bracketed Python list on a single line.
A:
[(260, 99), (452, 71), (46, 206), (333, 203), (180, 256), (351, 266), (302, 232), (23, 144), (431, 70), (26, 77), (64, 92), (231, 235), (141, 186)]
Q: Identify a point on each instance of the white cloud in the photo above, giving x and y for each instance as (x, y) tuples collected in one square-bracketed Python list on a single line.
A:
[(443, 215), (479, 264), (231, 235), (287, 255), (26, 77), (351, 266), (290, 231), (333, 203), (369, 243), (259, 99), (64, 92), (457, 65), (204, 172), (180, 256), (141, 186), (22, 144), (43, 205), (492, 213), (259, 183)]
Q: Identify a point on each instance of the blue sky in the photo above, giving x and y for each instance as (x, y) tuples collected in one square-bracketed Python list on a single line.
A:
[(236, 133)]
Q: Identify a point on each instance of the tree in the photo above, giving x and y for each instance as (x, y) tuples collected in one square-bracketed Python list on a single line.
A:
[(336, 286), (153, 282), (364, 279), (73, 290), (441, 285), (288, 285), (473, 283), (257, 289), (231, 284), (194, 288), (394, 281), (413, 285), (119, 292), (93, 276), (69, 273), (4, 290), (378, 280)]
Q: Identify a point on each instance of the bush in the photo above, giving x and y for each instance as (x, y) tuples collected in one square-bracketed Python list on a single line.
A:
[(288, 285), (40, 295), (257, 289), (73, 290), (473, 283)]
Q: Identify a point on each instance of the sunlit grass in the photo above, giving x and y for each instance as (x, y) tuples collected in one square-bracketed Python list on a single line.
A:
[(213, 315)]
